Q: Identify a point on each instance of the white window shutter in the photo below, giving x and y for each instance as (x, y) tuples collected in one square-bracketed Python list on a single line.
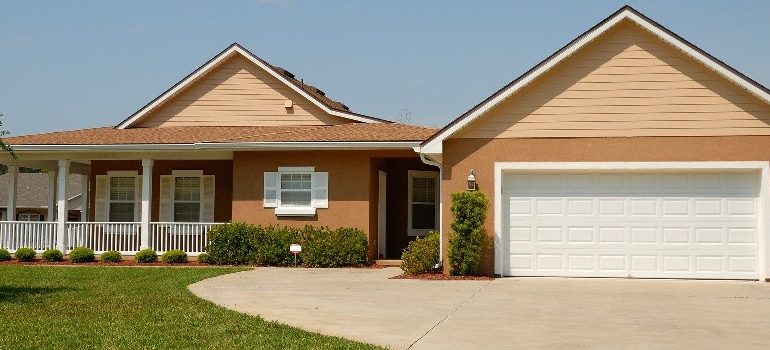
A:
[(271, 190), (138, 198), (320, 190), (207, 212), (165, 192), (101, 195)]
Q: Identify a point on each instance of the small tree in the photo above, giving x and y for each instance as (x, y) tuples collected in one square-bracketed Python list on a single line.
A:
[(468, 237)]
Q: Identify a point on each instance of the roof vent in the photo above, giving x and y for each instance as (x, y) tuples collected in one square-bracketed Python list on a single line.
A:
[(285, 72)]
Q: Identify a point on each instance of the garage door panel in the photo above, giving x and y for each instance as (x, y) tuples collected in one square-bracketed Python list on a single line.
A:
[(677, 225)]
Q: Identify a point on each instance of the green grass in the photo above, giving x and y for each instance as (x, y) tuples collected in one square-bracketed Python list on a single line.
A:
[(132, 308)]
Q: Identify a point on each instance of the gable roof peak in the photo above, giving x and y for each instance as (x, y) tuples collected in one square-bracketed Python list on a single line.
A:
[(434, 145), (313, 94)]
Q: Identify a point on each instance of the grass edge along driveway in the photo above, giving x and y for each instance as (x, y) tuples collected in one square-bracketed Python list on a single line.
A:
[(133, 308)]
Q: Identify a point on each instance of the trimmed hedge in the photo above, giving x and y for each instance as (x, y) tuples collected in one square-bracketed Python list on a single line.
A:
[(241, 244), (82, 255), (5, 255), (25, 254), (468, 237), (111, 256), (204, 258), (421, 255), (174, 256), (146, 256), (53, 255)]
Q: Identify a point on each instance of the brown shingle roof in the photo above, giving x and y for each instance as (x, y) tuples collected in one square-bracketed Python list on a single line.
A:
[(351, 132)]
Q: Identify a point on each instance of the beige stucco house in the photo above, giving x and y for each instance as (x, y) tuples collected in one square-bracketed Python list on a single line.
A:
[(628, 153)]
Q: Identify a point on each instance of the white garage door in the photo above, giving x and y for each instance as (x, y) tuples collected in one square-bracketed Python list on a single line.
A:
[(631, 224)]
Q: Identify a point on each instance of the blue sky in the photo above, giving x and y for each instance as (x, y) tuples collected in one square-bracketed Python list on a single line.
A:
[(77, 64)]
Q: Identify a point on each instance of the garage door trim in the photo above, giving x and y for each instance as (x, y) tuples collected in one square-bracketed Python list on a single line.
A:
[(523, 167)]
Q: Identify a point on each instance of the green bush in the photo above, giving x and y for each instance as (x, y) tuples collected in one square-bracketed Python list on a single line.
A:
[(174, 256), (204, 258), (322, 247), (146, 256), (468, 238), (232, 244), (25, 254), (5, 255), (421, 255), (272, 245), (82, 255), (111, 256), (53, 255)]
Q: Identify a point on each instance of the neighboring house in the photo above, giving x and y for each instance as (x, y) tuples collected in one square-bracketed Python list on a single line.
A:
[(628, 153), (33, 200)]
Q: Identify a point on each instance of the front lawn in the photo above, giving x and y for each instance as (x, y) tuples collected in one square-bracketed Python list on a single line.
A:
[(132, 308)]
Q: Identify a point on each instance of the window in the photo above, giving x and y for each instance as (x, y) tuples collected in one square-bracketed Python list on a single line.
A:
[(187, 199), (121, 200), (296, 189), (423, 202), (29, 217)]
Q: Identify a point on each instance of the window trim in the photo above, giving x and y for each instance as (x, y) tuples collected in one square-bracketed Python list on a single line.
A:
[(29, 214), (309, 210), (186, 173), (109, 200), (411, 174)]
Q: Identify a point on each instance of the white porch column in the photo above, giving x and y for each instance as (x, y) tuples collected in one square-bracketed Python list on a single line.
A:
[(51, 196), (13, 172), (146, 202), (61, 198), (85, 199)]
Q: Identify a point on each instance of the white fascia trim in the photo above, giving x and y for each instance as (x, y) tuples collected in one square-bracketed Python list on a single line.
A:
[(763, 263), (220, 146), (434, 146), (213, 64)]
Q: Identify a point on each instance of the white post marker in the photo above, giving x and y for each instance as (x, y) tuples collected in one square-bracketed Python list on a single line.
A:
[(295, 249)]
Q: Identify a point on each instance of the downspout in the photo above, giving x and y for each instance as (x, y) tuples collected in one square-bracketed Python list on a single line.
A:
[(440, 167)]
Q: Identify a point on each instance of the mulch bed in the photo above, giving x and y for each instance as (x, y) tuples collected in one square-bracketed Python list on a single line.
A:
[(38, 262), (437, 276)]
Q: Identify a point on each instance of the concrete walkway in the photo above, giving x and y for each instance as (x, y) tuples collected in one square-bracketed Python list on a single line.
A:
[(546, 313)]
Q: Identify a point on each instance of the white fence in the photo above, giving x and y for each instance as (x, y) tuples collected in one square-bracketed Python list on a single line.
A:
[(190, 237), (38, 235), (124, 237)]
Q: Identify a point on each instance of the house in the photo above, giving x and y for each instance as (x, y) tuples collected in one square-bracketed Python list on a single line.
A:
[(629, 152), (237, 140), (33, 202)]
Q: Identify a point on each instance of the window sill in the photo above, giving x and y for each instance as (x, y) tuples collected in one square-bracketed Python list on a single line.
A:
[(295, 211)]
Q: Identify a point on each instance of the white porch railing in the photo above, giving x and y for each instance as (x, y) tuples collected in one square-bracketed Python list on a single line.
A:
[(105, 236), (38, 235), (190, 237)]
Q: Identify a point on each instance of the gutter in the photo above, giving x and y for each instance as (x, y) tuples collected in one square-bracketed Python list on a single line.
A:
[(424, 158), (219, 146)]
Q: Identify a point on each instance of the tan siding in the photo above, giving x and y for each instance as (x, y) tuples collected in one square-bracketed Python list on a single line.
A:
[(626, 83), (238, 93)]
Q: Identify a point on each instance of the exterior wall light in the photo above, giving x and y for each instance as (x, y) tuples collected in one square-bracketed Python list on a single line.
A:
[(471, 181)]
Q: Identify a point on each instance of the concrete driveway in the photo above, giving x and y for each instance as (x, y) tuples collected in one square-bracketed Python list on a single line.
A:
[(547, 313)]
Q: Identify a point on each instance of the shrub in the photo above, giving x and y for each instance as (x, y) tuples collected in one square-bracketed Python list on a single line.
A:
[(468, 237), (421, 255), (25, 254), (204, 258), (232, 244), (111, 256), (82, 255), (272, 245), (5, 255), (174, 256), (322, 247), (53, 255), (146, 256)]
